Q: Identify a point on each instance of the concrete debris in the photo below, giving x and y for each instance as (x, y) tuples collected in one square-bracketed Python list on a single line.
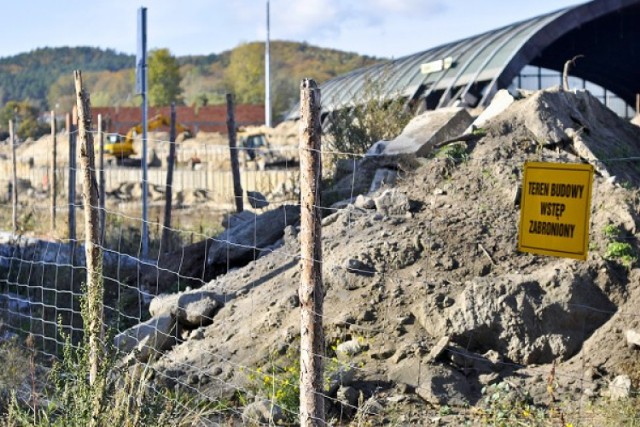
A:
[(149, 338), (424, 131)]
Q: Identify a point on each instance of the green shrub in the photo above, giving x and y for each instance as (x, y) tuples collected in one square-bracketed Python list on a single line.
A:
[(375, 116), (618, 250)]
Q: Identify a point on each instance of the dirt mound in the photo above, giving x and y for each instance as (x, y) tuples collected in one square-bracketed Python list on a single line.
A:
[(426, 284)]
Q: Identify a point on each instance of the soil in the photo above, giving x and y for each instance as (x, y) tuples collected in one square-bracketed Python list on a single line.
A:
[(435, 291)]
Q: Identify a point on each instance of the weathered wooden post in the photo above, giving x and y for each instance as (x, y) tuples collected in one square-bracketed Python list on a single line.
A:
[(72, 122), (103, 213), (311, 290), (233, 152), (14, 179), (166, 228), (94, 305), (53, 179)]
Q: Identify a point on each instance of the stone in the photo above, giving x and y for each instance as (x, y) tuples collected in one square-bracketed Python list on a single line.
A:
[(382, 353), (489, 379), (500, 102), (633, 338), (262, 411), (367, 315), (230, 221), (353, 265), (343, 376), (349, 348), (620, 387), (383, 177), (426, 130), (364, 202), (237, 244), (257, 200), (148, 338), (197, 308), (192, 309), (392, 202), (438, 349), (441, 386), (348, 396), (372, 407)]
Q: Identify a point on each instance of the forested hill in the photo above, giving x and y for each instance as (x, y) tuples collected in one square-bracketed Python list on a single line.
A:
[(44, 76), (28, 76)]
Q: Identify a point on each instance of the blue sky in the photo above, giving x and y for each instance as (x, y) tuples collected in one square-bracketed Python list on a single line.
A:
[(383, 28)]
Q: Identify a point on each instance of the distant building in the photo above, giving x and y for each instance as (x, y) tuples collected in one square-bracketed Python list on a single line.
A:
[(210, 118), (530, 54)]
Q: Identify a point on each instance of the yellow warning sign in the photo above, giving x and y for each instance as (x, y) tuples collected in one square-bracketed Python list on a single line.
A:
[(555, 208)]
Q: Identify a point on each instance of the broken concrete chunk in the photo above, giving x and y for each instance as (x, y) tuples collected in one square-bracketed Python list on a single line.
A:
[(364, 202), (500, 102), (151, 337), (424, 131), (196, 309), (633, 338), (438, 349), (349, 348), (237, 244), (191, 309), (392, 202), (620, 387)]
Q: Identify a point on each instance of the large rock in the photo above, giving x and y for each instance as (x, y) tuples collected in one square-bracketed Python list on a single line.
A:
[(148, 338), (262, 411), (500, 102), (392, 202), (428, 129), (191, 309), (437, 385), (239, 243), (534, 318), (201, 262)]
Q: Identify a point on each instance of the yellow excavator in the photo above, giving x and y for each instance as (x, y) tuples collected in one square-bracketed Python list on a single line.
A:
[(121, 147)]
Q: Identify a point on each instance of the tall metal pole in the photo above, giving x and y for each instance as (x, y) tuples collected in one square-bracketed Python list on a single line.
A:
[(267, 75), (142, 71)]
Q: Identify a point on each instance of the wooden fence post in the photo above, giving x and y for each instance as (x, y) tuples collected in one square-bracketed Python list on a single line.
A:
[(102, 190), (233, 152), (53, 181), (94, 308), (166, 227), (311, 290), (72, 121), (14, 179)]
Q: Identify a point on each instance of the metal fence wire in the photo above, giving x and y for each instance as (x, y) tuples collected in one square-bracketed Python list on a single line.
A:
[(430, 314)]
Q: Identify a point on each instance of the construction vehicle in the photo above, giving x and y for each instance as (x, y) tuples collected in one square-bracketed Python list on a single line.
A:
[(257, 149), (121, 147)]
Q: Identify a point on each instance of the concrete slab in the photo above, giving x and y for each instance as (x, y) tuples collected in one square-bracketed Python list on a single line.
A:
[(500, 102), (428, 129)]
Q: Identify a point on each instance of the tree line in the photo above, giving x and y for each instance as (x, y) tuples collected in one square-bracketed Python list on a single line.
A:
[(41, 80)]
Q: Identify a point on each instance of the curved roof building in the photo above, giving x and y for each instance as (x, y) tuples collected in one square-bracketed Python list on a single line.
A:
[(605, 32)]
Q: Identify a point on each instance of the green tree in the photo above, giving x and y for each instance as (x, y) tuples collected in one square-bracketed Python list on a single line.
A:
[(164, 78), (25, 118), (245, 74)]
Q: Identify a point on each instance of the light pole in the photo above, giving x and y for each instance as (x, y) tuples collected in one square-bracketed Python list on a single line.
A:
[(267, 77)]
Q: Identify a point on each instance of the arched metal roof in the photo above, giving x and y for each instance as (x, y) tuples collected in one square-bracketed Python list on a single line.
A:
[(606, 32)]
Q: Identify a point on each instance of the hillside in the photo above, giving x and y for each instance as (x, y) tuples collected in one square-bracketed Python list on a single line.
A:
[(43, 76)]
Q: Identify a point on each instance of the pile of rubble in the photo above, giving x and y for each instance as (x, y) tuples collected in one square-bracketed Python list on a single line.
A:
[(427, 299)]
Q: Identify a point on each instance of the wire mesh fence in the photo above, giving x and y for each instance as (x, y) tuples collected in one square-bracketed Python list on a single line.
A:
[(431, 315)]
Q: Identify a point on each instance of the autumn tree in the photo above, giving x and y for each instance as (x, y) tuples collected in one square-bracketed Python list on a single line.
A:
[(245, 74), (164, 78)]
